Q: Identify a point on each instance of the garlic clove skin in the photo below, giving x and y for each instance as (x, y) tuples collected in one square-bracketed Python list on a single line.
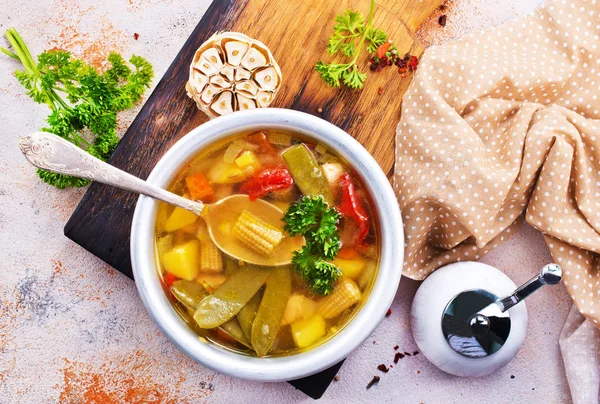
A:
[(220, 81), (229, 72), (264, 98), (213, 56), (205, 67), (245, 103), (223, 104), (253, 59), (209, 93), (242, 74), (246, 87), (235, 51), (267, 78), (198, 81)]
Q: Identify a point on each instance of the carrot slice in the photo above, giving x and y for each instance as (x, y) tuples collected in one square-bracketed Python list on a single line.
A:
[(347, 253), (199, 188)]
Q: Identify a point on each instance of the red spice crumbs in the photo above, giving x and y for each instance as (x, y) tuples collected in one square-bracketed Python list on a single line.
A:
[(396, 348), (136, 36), (412, 63), (442, 20), (373, 382), (407, 354), (380, 90), (398, 356), (415, 353), (389, 313), (383, 368), (336, 379)]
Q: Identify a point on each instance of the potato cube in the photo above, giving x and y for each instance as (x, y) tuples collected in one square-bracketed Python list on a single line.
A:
[(179, 218), (306, 332), (332, 172), (299, 307), (351, 268), (225, 173), (182, 260), (248, 162)]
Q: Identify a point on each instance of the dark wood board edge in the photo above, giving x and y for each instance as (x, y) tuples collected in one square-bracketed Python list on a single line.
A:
[(315, 386)]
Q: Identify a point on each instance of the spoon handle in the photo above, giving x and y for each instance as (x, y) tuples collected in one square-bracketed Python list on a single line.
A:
[(52, 153), (549, 275)]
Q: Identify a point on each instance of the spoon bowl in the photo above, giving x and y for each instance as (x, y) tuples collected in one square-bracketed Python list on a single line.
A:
[(52, 153), (218, 215)]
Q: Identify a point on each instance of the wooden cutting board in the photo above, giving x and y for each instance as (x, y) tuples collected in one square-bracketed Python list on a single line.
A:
[(297, 32)]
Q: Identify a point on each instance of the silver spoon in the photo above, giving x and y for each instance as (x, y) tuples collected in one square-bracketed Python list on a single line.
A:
[(52, 153)]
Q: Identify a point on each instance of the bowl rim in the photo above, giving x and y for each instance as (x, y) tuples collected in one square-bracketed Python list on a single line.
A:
[(301, 364)]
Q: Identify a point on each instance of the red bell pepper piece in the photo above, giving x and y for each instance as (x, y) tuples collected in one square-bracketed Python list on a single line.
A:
[(352, 208), (267, 180), (260, 139)]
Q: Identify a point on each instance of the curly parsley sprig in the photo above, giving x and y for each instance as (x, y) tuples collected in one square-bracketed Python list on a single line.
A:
[(312, 218), (80, 97), (350, 33)]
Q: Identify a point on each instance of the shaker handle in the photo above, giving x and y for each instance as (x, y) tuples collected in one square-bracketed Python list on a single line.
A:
[(549, 275)]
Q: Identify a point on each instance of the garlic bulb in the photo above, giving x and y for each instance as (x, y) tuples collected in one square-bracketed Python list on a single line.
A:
[(232, 72)]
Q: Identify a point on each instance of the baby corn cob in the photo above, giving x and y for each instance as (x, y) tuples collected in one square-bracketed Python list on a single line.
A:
[(345, 294), (210, 257), (257, 234)]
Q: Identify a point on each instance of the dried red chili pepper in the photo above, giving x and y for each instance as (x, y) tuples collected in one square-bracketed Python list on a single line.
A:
[(382, 49), (267, 180), (413, 62), (383, 368), (389, 313), (397, 357)]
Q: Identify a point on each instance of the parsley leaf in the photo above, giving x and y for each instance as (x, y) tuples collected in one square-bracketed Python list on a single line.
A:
[(353, 78), (350, 21), (81, 99), (376, 37), (350, 33), (312, 218)]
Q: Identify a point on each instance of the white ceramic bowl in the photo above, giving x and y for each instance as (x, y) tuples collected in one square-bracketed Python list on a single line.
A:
[(353, 334)]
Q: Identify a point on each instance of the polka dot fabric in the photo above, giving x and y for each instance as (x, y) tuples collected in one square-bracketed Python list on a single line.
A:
[(503, 126)]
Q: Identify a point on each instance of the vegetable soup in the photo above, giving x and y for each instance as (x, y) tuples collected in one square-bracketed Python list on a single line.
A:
[(269, 310)]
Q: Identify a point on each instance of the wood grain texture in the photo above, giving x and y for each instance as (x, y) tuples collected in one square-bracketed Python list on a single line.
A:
[(296, 31)]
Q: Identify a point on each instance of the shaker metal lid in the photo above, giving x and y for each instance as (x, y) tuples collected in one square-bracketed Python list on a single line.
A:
[(476, 323)]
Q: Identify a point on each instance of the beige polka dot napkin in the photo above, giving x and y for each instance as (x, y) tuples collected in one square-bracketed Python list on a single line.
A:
[(503, 126)]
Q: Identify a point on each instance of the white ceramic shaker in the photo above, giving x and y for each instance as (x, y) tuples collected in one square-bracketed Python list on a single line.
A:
[(466, 318)]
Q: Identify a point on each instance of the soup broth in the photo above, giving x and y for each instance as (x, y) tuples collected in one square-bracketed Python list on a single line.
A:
[(269, 310)]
